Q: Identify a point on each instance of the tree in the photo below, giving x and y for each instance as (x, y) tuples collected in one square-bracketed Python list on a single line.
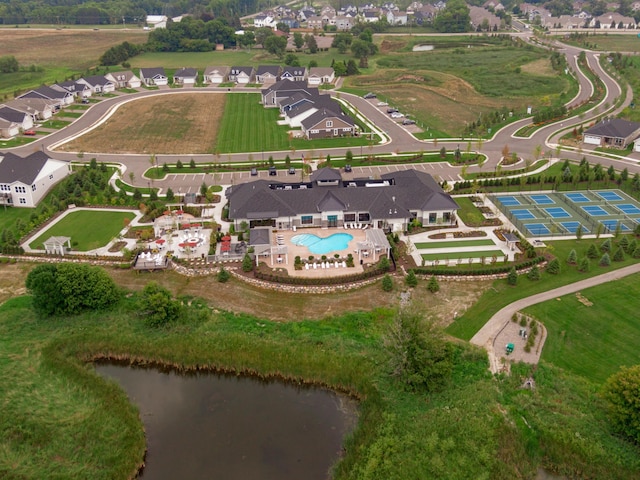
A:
[(606, 245), (605, 261), (579, 232), (283, 27), (8, 64), (418, 355), (192, 163), (553, 267), (512, 277), (618, 256), (384, 264), (261, 35), (534, 273), (585, 265), (42, 285), (453, 18), (291, 60), (433, 285), (247, 263), (352, 69), (276, 45), (387, 283), (298, 40), (179, 165), (621, 392), (362, 50), (411, 280), (169, 195), (203, 189), (572, 259), (223, 275), (312, 45), (157, 306), (592, 251)]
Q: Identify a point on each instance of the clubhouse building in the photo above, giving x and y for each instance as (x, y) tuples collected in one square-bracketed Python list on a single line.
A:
[(327, 200)]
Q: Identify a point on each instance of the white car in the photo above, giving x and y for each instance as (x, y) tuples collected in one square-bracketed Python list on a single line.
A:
[(397, 115), (382, 104)]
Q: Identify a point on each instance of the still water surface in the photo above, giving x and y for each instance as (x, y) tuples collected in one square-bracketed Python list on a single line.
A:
[(209, 426)]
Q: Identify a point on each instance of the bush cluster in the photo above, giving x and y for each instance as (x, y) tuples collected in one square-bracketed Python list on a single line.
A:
[(275, 278), (489, 270)]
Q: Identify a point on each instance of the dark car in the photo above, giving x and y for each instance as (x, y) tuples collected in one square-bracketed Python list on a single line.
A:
[(392, 110), (292, 171), (408, 121), (254, 172), (370, 95), (347, 168), (85, 100), (272, 171)]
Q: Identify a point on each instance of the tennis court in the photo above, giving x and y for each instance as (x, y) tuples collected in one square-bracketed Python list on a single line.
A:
[(595, 210), (609, 196), (557, 212), (578, 197), (601, 211), (541, 199)]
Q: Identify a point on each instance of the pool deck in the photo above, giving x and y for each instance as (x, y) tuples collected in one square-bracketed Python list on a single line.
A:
[(304, 253)]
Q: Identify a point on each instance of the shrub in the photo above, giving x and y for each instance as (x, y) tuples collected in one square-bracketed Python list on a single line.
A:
[(514, 317), (633, 244), (384, 264), (592, 252), (605, 261), (622, 394), (534, 273), (553, 267), (411, 280), (223, 275), (606, 245), (512, 278), (624, 243), (247, 263), (179, 164), (572, 259), (157, 306), (585, 265), (618, 256), (387, 283), (433, 285), (636, 253)]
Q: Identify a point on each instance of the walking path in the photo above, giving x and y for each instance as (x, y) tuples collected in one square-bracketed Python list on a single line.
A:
[(487, 334)]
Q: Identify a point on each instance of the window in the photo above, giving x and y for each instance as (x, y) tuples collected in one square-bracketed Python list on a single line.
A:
[(329, 123), (348, 129), (315, 131), (33, 187), (432, 217), (364, 217), (5, 188), (306, 220), (23, 200), (349, 217), (21, 190), (446, 217), (50, 177)]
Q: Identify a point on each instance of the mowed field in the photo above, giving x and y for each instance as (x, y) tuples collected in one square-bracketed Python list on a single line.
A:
[(177, 123)]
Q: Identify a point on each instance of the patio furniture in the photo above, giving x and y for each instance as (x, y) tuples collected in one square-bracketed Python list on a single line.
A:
[(306, 266)]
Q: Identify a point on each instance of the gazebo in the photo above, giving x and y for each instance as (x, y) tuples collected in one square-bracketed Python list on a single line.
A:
[(57, 245), (375, 243)]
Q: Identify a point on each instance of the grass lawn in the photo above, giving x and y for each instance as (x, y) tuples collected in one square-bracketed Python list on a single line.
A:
[(462, 255), (16, 142), (88, 229), (469, 213), (593, 341), (9, 216), (503, 294), (606, 42), (455, 244), (57, 124), (69, 114)]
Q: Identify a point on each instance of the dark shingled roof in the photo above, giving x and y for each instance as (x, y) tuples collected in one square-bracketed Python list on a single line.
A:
[(12, 115), (323, 113), (17, 169), (152, 72), (186, 72), (272, 69), (97, 80), (613, 127), (405, 191)]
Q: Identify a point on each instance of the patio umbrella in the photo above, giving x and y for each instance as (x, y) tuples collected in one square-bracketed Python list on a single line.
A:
[(160, 241), (226, 238), (182, 245)]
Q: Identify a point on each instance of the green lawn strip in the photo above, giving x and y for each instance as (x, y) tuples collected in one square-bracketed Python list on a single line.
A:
[(455, 244), (54, 123), (66, 411), (128, 188), (88, 229), (68, 114), (9, 216), (16, 142), (593, 341), (505, 172), (503, 294), (464, 255), (468, 212)]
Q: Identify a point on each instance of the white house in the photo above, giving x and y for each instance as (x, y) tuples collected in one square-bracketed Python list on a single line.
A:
[(25, 181), (216, 74), (23, 119), (98, 84), (40, 108), (320, 75), (153, 76), (126, 79), (8, 129), (185, 76), (157, 21)]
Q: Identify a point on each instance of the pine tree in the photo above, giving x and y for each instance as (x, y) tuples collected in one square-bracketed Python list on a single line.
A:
[(512, 278), (387, 283), (618, 256), (572, 259), (606, 245), (433, 285), (585, 265), (624, 243), (534, 273), (223, 275), (553, 267), (605, 261), (411, 280), (592, 252)]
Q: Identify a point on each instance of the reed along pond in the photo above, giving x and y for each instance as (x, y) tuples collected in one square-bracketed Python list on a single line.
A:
[(208, 425)]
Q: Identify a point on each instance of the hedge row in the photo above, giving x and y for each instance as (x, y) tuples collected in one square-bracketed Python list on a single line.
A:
[(491, 270), (270, 277)]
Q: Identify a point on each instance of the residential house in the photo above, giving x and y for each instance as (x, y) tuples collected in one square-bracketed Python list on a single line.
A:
[(321, 75), (242, 75), (342, 23), (396, 17), (75, 88), (290, 22), (315, 22), (153, 76), (216, 74), (264, 21), (294, 74), (9, 129), (612, 132), (98, 84), (38, 108), (612, 20), (185, 76), (61, 98), (565, 22), (25, 181), (370, 16), (326, 123), (390, 203), (305, 13), (273, 95), (126, 79), (268, 74), (157, 21), (483, 19), (23, 119), (299, 109)]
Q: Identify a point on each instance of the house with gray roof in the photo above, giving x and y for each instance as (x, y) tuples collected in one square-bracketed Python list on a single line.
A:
[(77, 89), (61, 97), (126, 79), (185, 76), (242, 75), (298, 111), (23, 119), (326, 123), (9, 129), (294, 74), (272, 96), (153, 76), (327, 200), (216, 74), (267, 74), (98, 84), (39, 108), (612, 132), (25, 181)]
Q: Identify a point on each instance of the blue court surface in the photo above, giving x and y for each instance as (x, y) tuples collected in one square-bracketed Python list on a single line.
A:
[(557, 212), (612, 225), (542, 199), (595, 210), (609, 196), (523, 214), (538, 229), (508, 201), (628, 208), (571, 227), (577, 197)]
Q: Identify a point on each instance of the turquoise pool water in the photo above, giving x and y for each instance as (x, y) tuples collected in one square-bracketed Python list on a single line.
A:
[(320, 245)]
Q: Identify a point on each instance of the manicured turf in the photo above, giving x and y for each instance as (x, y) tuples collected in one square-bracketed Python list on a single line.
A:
[(90, 229), (469, 213), (456, 255), (454, 244), (593, 341)]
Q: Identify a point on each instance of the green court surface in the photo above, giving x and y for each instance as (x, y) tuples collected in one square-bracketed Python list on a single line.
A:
[(455, 244)]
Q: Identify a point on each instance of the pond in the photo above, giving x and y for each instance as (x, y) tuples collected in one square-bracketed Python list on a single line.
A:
[(208, 425)]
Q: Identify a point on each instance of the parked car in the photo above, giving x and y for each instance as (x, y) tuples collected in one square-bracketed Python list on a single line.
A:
[(392, 110), (397, 115), (347, 168), (85, 100), (292, 171), (272, 171), (30, 132), (382, 104), (369, 95), (408, 121), (254, 172)]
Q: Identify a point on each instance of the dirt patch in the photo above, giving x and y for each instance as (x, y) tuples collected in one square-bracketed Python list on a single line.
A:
[(12, 280), (541, 68), (387, 46), (163, 124)]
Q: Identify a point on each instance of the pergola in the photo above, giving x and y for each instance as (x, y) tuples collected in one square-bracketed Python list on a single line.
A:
[(57, 245), (375, 243)]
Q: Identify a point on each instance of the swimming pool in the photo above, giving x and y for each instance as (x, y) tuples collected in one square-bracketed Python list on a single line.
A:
[(320, 245)]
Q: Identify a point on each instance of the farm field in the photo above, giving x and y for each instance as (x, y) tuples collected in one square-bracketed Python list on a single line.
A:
[(181, 123), (595, 340), (87, 229)]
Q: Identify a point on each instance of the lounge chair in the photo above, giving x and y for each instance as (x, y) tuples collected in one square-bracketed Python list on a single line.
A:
[(315, 266), (344, 264), (336, 264), (345, 225), (306, 266), (322, 265)]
